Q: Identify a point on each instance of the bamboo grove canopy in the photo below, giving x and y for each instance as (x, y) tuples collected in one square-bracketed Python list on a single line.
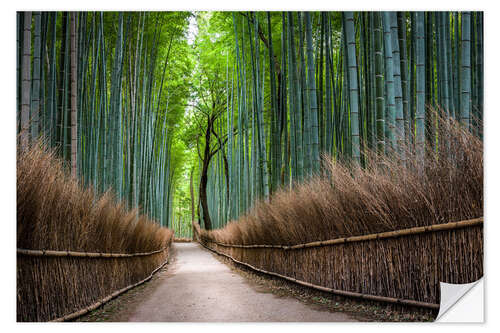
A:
[(261, 97), (305, 84), (129, 92)]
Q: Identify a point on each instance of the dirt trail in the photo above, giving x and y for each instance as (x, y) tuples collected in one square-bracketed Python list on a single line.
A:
[(199, 288)]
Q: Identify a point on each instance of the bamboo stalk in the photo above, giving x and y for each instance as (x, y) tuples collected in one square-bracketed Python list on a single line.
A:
[(420, 86), (352, 77), (35, 92), (26, 81), (465, 70), (74, 133)]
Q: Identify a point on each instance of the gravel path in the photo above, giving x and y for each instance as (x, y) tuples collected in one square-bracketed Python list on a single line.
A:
[(199, 288)]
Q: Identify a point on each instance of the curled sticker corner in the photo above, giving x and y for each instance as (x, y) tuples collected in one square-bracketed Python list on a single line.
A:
[(451, 294)]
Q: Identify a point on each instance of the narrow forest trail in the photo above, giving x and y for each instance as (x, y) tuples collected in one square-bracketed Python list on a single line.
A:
[(199, 288)]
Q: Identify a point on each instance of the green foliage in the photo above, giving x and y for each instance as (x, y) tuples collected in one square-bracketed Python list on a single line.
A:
[(303, 80), (277, 91)]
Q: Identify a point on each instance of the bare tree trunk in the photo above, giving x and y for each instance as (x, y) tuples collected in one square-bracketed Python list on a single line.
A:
[(74, 131), (204, 177), (26, 81), (203, 196), (191, 190)]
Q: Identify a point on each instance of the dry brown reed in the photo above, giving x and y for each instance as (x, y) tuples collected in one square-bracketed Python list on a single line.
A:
[(55, 213), (388, 194), (183, 240)]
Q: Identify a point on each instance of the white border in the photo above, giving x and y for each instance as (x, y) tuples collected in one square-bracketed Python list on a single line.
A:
[(7, 135)]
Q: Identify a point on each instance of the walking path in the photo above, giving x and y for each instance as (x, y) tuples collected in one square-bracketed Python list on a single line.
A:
[(199, 288)]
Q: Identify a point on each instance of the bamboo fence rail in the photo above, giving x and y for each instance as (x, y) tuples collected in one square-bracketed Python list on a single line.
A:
[(382, 235), (56, 253)]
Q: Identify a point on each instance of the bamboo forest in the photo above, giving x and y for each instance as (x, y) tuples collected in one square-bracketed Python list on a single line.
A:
[(338, 152)]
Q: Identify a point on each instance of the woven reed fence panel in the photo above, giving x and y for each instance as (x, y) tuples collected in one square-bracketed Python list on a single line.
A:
[(408, 267), (51, 287)]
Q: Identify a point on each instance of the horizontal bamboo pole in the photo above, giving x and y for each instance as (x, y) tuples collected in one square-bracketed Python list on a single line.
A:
[(335, 291), (351, 239), (108, 298), (54, 253)]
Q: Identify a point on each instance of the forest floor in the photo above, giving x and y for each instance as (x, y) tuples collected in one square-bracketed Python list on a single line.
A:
[(198, 286)]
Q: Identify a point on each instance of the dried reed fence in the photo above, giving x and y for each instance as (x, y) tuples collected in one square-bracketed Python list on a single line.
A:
[(403, 267), (390, 230), (183, 240), (65, 287), (76, 250)]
